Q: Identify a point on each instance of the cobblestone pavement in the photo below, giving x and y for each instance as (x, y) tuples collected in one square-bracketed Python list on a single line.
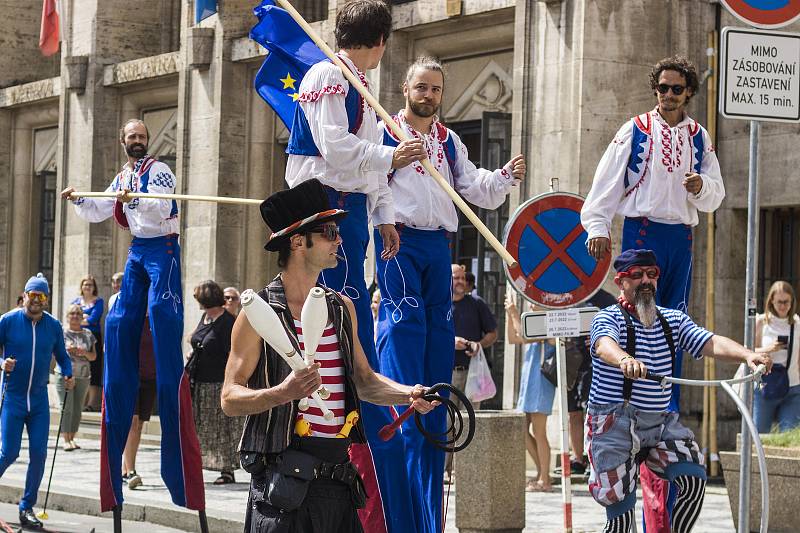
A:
[(75, 489)]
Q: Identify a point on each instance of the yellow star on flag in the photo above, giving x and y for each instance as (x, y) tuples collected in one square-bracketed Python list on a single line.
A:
[(288, 82), (295, 96)]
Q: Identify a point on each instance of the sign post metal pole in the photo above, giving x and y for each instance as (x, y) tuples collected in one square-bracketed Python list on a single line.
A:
[(749, 322), (566, 485)]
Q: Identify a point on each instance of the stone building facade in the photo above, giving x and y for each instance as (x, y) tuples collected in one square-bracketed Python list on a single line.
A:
[(552, 79)]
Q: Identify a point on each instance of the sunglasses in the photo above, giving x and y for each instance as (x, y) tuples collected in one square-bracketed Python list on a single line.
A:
[(677, 90), (38, 297), (232, 298), (329, 231)]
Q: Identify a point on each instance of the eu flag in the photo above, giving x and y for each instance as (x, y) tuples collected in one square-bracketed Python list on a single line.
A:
[(291, 54)]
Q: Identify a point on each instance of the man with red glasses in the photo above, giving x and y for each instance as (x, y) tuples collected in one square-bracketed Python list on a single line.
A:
[(629, 422), (30, 337), (658, 172)]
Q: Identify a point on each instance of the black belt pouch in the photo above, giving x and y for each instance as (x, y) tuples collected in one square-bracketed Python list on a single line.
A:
[(287, 480)]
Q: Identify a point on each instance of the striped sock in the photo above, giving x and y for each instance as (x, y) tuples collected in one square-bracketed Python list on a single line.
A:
[(688, 503), (620, 524)]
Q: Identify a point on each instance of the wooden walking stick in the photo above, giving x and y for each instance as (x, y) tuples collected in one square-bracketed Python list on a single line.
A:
[(190, 197), (399, 133)]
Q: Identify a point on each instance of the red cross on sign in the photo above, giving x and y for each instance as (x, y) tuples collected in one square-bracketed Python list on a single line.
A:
[(553, 269)]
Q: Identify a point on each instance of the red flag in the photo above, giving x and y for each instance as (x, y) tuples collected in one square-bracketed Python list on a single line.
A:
[(48, 36)]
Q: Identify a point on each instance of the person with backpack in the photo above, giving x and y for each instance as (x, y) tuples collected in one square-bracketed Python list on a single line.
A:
[(658, 172), (629, 422), (415, 315)]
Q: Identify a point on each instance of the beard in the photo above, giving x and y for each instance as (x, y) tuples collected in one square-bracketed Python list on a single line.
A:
[(423, 110), (645, 303), (136, 150)]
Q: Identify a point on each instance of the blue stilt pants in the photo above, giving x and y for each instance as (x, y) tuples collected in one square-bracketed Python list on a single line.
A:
[(416, 345), (380, 463), (152, 282)]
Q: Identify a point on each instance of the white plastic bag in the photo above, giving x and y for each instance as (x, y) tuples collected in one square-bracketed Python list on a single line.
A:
[(480, 385)]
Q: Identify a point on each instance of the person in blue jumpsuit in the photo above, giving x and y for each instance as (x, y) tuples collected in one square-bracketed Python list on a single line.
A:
[(152, 282), (30, 337)]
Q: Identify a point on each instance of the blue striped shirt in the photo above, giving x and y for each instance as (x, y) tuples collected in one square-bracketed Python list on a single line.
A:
[(651, 349)]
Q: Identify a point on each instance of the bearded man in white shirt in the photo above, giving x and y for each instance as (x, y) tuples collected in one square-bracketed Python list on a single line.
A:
[(151, 283), (658, 172), (335, 138), (415, 326)]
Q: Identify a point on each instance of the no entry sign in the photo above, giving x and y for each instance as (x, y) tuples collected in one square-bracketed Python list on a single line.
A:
[(764, 13), (553, 269)]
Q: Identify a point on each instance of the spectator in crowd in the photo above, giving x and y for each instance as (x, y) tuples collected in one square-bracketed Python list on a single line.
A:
[(475, 328), (20, 300), (145, 401), (92, 307), (536, 395), (116, 283), (776, 335), (232, 303), (211, 343), (375, 305), (470, 289), (80, 347)]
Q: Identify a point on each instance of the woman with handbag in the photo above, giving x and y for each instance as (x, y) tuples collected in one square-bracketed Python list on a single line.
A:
[(778, 400), (536, 395), (211, 343)]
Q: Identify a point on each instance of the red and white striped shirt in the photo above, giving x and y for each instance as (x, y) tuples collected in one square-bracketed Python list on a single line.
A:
[(332, 371)]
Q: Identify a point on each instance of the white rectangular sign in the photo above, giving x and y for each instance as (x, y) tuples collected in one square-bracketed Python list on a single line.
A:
[(560, 323), (760, 75)]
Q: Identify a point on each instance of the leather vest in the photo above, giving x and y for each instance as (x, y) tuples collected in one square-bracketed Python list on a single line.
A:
[(271, 431)]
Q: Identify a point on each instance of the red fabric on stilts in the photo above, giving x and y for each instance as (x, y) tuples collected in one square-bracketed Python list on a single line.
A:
[(654, 500), (371, 516), (190, 450), (107, 499)]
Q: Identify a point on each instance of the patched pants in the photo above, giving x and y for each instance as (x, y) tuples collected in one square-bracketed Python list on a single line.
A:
[(621, 437)]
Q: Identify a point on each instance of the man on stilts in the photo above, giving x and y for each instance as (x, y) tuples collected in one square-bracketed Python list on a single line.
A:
[(659, 171), (335, 138), (415, 328), (152, 282)]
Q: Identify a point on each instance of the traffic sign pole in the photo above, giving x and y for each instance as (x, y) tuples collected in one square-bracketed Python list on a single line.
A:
[(750, 323), (566, 480)]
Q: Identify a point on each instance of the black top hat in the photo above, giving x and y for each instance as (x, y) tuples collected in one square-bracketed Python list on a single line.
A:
[(294, 210)]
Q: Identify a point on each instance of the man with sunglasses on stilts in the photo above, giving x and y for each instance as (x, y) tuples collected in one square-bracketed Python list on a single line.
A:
[(335, 138), (658, 172), (629, 421), (151, 284), (415, 330), (30, 337)]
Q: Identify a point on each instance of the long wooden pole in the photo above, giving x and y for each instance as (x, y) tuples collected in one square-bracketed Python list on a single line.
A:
[(399, 133), (189, 197)]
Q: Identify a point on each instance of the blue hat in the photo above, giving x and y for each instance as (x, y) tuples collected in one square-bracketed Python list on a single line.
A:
[(632, 258), (38, 283)]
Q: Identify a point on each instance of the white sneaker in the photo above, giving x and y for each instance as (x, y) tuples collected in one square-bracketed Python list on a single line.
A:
[(134, 481)]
